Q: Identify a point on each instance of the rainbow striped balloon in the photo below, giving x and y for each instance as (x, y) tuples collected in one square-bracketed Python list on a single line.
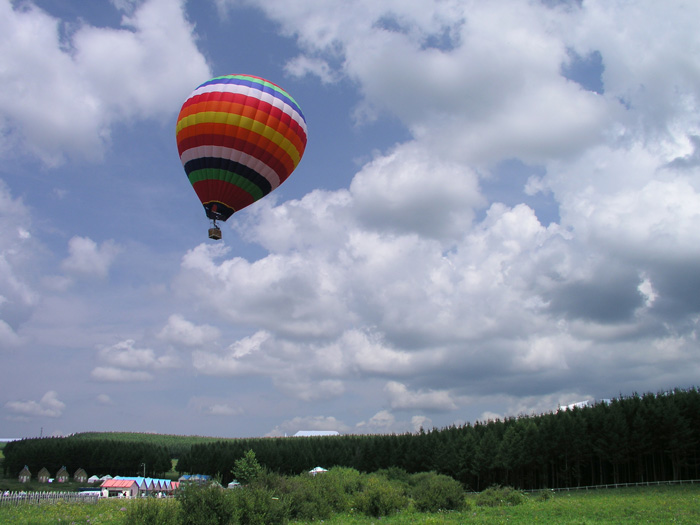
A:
[(239, 137)]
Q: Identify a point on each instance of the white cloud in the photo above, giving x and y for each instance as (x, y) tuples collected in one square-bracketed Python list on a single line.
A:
[(48, 406), (303, 65), (87, 258), (104, 399), (65, 91), (394, 193), (432, 281), (242, 357), (384, 422), (8, 337), (113, 374), (400, 398), (180, 331), (222, 409), (124, 362), (419, 422), (18, 261)]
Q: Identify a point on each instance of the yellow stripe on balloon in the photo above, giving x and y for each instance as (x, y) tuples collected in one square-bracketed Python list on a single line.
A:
[(217, 117)]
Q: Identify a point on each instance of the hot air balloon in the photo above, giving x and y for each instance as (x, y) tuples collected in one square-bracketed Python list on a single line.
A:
[(239, 137)]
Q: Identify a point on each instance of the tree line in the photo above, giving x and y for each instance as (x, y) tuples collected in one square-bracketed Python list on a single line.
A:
[(96, 456), (638, 438), (176, 445)]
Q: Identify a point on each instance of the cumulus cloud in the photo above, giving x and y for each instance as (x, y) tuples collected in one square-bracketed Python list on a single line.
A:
[(242, 357), (393, 193), (66, 89), (179, 331), (124, 362), (18, 253), (48, 406), (222, 409), (418, 287), (87, 258), (401, 398), (112, 374), (304, 65), (104, 399), (8, 336), (384, 422), (415, 277)]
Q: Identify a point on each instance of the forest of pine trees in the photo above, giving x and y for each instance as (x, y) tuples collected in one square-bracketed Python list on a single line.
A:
[(639, 438), (96, 456)]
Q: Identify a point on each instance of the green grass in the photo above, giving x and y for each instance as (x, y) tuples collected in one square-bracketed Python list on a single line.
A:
[(660, 504), (104, 512)]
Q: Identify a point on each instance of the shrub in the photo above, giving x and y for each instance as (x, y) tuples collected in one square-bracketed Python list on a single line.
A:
[(380, 497), (498, 496), (205, 505), (255, 505), (396, 474), (151, 511), (271, 481), (319, 497), (343, 479), (308, 499), (438, 492), (545, 495)]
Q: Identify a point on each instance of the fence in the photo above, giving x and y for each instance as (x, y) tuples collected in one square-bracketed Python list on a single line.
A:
[(620, 485), (23, 498)]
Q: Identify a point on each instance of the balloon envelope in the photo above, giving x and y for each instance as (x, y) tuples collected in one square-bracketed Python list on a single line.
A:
[(239, 137)]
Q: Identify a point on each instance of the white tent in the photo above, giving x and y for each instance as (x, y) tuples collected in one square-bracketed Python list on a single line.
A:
[(93, 479), (317, 470)]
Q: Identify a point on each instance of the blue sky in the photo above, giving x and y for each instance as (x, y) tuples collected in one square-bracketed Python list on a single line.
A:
[(497, 213)]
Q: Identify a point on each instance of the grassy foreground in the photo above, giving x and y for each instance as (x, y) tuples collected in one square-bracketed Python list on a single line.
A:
[(661, 504)]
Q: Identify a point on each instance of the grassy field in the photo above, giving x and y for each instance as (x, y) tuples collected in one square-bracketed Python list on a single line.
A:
[(661, 504)]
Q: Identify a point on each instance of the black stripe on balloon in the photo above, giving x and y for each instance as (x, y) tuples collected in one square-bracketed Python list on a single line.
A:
[(218, 163)]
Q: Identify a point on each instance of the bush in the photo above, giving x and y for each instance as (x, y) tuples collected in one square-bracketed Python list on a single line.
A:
[(308, 499), (319, 497), (205, 505), (254, 505), (271, 481), (343, 479), (438, 492), (151, 511), (380, 497), (498, 496), (545, 495), (396, 474)]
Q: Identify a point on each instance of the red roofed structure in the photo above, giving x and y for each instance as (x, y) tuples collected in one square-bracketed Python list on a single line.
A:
[(116, 488)]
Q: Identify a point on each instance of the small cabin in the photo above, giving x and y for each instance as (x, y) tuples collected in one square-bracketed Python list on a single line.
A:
[(80, 476), (43, 475), (62, 475), (24, 475)]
